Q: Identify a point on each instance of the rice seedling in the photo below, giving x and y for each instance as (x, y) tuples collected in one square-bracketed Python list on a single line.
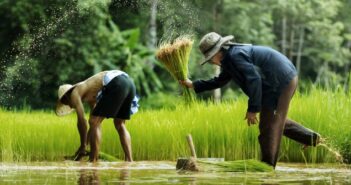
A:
[(218, 130), (205, 165), (175, 57), (249, 165)]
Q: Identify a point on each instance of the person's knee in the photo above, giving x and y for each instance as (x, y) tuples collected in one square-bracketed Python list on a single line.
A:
[(94, 122), (119, 124)]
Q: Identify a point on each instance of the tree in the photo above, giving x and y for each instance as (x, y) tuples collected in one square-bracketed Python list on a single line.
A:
[(70, 48), (314, 38)]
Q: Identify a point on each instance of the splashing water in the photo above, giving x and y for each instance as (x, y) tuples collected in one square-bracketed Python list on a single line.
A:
[(171, 20), (25, 47), (20, 66), (33, 43), (336, 153)]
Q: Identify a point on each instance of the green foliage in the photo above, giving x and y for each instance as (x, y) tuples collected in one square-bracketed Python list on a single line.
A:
[(218, 130), (69, 49), (318, 35), (159, 101), (67, 41), (247, 26), (345, 146)]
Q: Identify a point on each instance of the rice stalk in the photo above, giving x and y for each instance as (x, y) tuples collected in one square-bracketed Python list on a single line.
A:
[(175, 57), (250, 165)]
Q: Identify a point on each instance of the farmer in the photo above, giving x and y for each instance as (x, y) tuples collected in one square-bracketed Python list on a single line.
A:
[(268, 78), (109, 94)]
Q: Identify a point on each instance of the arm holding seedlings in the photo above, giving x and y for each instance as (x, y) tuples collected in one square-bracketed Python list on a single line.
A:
[(81, 124), (205, 85)]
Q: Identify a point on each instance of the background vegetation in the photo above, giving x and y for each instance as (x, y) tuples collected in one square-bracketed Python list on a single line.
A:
[(48, 43)]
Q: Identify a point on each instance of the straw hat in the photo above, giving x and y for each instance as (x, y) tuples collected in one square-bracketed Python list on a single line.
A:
[(62, 109), (211, 43)]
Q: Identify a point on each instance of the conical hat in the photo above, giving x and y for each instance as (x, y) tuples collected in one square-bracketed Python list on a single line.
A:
[(63, 109)]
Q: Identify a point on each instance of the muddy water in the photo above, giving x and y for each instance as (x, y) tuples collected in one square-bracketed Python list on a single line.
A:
[(164, 173)]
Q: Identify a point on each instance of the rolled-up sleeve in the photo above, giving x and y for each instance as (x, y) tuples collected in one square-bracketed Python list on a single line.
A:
[(214, 83), (252, 82)]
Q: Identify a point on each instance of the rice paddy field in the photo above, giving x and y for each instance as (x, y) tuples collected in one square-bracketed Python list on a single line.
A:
[(34, 144), (218, 130)]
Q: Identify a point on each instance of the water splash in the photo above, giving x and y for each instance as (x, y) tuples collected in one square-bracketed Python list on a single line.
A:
[(174, 24), (19, 67), (20, 62), (333, 151)]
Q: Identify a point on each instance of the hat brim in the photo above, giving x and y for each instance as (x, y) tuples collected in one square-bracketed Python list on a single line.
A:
[(62, 109), (209, 55)]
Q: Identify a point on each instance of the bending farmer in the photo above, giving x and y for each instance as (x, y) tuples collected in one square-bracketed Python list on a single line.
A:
[(109, 94), (268, 78)]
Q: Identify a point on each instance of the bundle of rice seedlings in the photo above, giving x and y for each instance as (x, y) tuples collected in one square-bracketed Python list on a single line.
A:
[(250, 165), (175, 57), (107, 157)]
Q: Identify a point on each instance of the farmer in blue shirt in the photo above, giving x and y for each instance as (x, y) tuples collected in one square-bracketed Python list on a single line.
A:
[(268, 78)]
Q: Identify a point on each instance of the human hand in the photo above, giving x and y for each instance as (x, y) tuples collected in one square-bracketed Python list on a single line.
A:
[(186, 83), (251, 118)]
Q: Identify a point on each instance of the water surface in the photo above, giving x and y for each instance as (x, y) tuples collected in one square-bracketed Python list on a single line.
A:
[(164, 172)]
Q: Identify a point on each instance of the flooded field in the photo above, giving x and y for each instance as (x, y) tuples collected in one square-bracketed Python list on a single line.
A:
[(164, 173)]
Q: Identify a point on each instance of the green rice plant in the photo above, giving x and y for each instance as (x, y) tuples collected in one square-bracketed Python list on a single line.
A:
[(218, 131), (249, 165), (175, 57)]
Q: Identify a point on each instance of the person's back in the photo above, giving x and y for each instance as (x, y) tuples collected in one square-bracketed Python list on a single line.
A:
[(89, 88), (275, 69)]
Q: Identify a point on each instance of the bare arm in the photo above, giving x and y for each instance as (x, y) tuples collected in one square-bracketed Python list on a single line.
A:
[(81, 123)]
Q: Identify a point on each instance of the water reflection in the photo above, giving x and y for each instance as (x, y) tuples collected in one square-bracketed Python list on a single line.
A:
[(88, 177), (124, 177), (164, 173), (96, 176)]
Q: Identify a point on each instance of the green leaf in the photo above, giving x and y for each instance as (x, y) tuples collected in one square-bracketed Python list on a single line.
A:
[(132, 37)]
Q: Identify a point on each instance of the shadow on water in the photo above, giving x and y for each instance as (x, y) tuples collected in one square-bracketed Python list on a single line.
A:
[(164, 173)]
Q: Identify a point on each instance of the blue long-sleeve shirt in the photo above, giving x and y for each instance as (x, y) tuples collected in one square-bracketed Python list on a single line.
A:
[(261, 72)]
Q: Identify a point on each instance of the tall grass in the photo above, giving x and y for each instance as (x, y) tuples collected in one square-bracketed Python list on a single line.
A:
[(218, 131)]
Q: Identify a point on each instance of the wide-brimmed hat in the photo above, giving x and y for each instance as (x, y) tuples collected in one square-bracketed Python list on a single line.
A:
[(211, 43), (62, 109)]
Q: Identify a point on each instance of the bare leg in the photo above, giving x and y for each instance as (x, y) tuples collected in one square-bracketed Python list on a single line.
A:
[(124, 137), (94, 137)]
